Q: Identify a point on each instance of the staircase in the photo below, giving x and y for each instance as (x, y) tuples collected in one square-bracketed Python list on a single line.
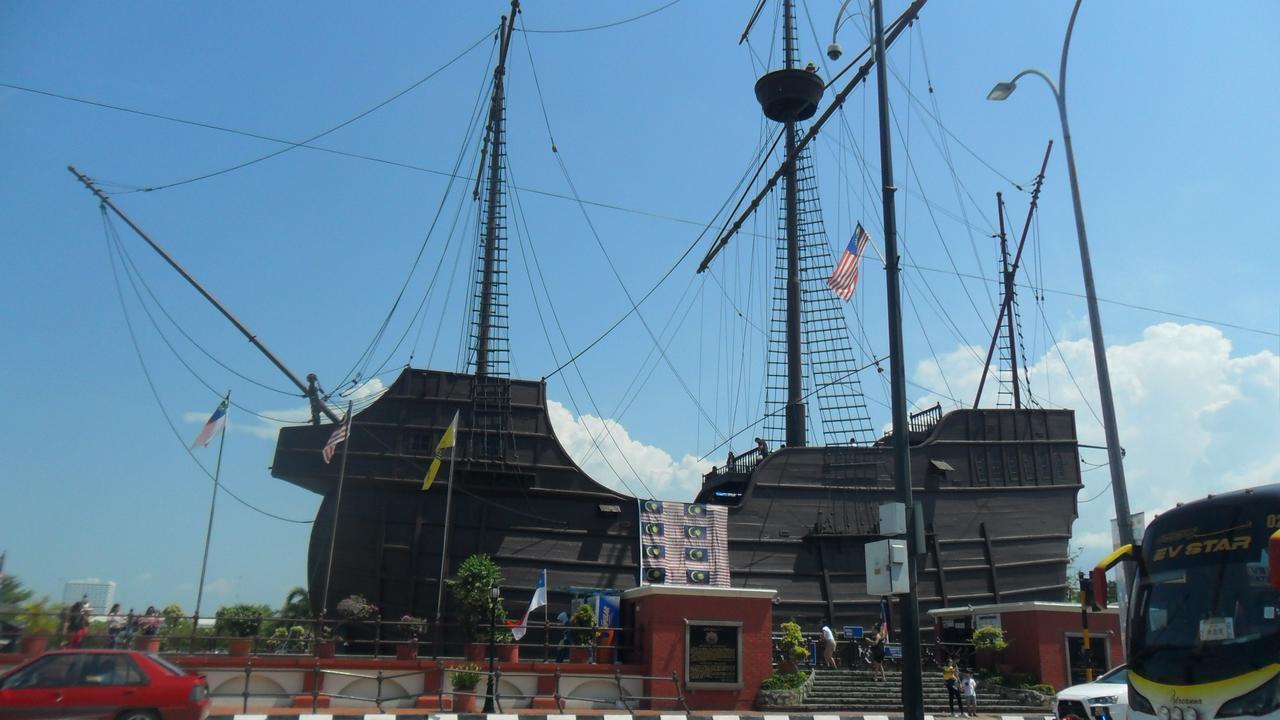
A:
[(858, 691)]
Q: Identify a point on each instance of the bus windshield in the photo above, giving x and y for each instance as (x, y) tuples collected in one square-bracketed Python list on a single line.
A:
[(1205, 610)]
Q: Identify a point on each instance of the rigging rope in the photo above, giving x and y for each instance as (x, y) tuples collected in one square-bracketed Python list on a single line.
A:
[(113, 238), (615, 23)]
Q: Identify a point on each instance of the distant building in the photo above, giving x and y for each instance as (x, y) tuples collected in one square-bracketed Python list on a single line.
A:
[(102, 593)]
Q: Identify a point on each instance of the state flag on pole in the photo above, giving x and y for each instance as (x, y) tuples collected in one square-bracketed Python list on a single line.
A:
[(212, 425), (845, 277), (445, 442), (539, 599), (339, 434)]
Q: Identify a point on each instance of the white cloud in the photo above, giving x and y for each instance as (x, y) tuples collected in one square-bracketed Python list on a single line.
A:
[(221, 586), (1192, 417), (605, 450)]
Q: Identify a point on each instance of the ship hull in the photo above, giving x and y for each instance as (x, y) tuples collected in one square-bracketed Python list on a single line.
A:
[(998, 516)]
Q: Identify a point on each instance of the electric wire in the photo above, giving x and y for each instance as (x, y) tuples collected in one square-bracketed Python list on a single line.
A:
[(335, 128), (615, 23), (155, 394)]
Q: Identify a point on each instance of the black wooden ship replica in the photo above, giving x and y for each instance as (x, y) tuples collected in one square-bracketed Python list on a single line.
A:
[(997, 487)]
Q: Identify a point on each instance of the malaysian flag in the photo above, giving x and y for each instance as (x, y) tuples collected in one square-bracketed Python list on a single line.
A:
[(338, 436), (845, 277), (212, 425)]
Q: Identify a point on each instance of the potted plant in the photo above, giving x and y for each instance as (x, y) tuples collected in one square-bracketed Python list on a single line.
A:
[(792, 647), (286, 640), (409, 629), (322, 644), (464, 679), (584, 633), (476, 576), (40, 619), (508, 650), (987, 642), (240, 623)]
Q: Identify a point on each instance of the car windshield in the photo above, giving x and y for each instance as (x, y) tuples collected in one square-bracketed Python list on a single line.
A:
[(1204, 608), (166, 665), (1118, 676)]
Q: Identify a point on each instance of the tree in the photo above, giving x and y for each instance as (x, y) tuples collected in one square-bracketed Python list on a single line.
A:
[(470, 591), (297, 604), (12, 592)]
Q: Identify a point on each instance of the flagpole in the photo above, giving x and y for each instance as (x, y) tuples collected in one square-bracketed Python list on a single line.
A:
[(337, 503), (444, 543), (213, 501)]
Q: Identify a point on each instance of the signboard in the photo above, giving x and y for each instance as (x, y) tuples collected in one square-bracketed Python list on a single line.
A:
[(853, 632), (713, 654), (684, 543), (988, 620)]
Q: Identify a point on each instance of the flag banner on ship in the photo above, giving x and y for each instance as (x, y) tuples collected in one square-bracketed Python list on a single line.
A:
[(446, 441), (339, 434), (539, 600), (211, 426), (684, 543), (844, 278)]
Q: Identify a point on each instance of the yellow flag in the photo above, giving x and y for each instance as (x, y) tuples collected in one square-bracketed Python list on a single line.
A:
[(445, 442)]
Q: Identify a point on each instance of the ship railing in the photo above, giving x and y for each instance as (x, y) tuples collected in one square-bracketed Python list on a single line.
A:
[(744, 463), (923, 421)]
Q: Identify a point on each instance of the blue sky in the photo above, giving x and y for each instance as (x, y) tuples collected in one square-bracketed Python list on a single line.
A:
[(1172, 112)]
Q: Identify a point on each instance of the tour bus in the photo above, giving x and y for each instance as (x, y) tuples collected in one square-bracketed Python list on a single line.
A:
[(1204, 628)]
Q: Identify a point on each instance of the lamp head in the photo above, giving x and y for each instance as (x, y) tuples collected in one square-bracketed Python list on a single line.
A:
[(1002, 90), (493, 593)]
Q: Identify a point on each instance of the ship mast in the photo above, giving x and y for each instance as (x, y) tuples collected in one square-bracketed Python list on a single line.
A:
[(493, 220), (309, 390), (795, 386)]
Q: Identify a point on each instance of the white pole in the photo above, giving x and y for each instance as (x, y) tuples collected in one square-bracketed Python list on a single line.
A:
[(213, 501), (448, 523), (337, 503)]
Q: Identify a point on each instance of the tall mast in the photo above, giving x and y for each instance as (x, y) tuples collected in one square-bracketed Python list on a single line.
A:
[(493, 201), (795, 386), (1007, 272), (308, 390), (1006, 302)]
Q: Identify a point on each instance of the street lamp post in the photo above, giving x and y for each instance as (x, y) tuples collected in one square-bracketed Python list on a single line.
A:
[(493, 647), (1115, 458)]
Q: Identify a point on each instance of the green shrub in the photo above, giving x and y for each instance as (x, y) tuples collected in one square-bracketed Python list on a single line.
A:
[(465, 677), (989, 638), (470, 591), (1043, 689), (584, 619), (792, 643), (356, 607), (242, 620), (41, 617), (784, 681)]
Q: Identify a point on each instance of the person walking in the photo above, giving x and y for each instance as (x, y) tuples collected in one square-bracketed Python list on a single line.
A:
[(828, 645), (876, 641), (969, 688), (951, 678)]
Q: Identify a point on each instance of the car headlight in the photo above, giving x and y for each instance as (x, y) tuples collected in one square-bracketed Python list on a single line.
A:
[(1104, 700), (1261, 700)]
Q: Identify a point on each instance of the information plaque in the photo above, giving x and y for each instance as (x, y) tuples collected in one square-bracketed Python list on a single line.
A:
[(713, 654)]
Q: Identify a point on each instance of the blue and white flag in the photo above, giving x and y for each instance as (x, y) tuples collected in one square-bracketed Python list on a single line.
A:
[(212, 426), (539, 599)]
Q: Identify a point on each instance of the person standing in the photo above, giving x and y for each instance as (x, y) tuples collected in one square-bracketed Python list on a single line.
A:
[(876, 641), (969, 687), (115, 626), (950, 677), (828, 645), (76, 625)]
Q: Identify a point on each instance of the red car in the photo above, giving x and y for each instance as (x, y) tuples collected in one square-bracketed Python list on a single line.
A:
[(109, 684)]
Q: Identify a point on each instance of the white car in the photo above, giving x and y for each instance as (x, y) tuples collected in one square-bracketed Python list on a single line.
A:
[(1106, 698)]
